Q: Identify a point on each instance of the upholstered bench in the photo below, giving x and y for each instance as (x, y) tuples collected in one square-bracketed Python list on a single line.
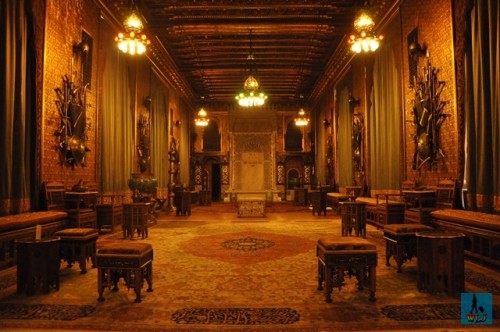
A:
[(78, 245), (482, 231), (132, 261), (338, 256), (23, 226), (401, 242)]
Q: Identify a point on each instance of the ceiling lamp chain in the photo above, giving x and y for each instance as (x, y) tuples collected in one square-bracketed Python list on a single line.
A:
[(364, 39), (132, 41), (251, 96)]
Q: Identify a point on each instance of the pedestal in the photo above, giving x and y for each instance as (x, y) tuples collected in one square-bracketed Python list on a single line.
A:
[(37, 265), (440, 262)]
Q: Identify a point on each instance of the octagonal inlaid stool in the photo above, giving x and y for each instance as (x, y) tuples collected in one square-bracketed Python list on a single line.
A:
[(123, 259), (339, 257), (401, 242), (78, 245)]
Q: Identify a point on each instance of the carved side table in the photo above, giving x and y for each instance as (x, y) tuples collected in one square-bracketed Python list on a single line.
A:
[(440, 262), (37, 265)]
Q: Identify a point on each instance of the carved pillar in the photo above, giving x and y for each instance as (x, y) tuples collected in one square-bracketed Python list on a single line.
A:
[(172, 171)]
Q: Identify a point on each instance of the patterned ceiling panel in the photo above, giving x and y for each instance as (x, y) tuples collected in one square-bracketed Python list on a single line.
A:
[(208, 41)]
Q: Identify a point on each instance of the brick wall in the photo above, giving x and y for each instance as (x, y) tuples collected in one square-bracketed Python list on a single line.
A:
[(434, 22), (64, 25)]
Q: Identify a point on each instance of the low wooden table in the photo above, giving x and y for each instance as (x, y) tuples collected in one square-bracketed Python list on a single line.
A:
[(341, 256), (37, 265), (440, 262), (135, 218), (353, 217), (131, 261)]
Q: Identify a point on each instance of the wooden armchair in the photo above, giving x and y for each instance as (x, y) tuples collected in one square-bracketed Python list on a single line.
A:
[(444, 198), (109, 208), (81, 211)]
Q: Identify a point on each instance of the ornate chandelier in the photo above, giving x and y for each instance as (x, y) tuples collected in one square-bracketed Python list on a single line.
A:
[(132, 41), (364, 39), (302, 119), (201, 120), (251, 96)]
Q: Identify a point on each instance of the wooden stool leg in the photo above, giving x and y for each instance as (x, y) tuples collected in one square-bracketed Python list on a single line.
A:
[(100, 286), (149, 277), (328, 284), (389, 252), (320, 275), (373, 281), (138, 279)]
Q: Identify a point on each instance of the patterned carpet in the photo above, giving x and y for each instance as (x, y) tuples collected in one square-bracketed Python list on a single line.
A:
[(213, 271)]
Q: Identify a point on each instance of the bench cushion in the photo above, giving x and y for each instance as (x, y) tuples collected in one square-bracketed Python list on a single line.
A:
[(374, 201), (30, 219), (76, 232), (469, 218), (123, 248), (344, 243), (339, 196), (405, 228)]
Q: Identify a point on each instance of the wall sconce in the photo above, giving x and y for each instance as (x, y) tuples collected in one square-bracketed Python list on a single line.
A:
[(326, 123), (353, 101), (147, 102), (82, 48), (178, 123), (415, 50)]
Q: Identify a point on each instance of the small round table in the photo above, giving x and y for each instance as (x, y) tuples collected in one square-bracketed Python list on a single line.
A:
[(440, 262)]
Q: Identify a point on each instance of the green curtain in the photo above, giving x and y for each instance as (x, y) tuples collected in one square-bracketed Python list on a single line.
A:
[(159, 142), (482, 118), (384, 120), (117, 143), (17, 110), (344, 140)]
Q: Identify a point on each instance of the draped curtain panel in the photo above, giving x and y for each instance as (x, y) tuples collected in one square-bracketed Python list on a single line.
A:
[(17, 110), (482, 118), (117, 124), (159, 147), (384, 120), (344, 140)]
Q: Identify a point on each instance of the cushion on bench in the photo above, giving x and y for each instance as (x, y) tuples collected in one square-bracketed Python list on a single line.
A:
[(343, 243), (374, 201), (337, 195), (405, 228), (469, 218), (30, 219)]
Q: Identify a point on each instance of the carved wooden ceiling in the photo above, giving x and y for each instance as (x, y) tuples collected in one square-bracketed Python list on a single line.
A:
[(204, 44)]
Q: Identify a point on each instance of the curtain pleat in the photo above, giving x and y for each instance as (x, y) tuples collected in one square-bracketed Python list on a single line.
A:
[(385, 122), (117, 125), (16, 98), (160, 136), (482, 108), (344, 140)]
